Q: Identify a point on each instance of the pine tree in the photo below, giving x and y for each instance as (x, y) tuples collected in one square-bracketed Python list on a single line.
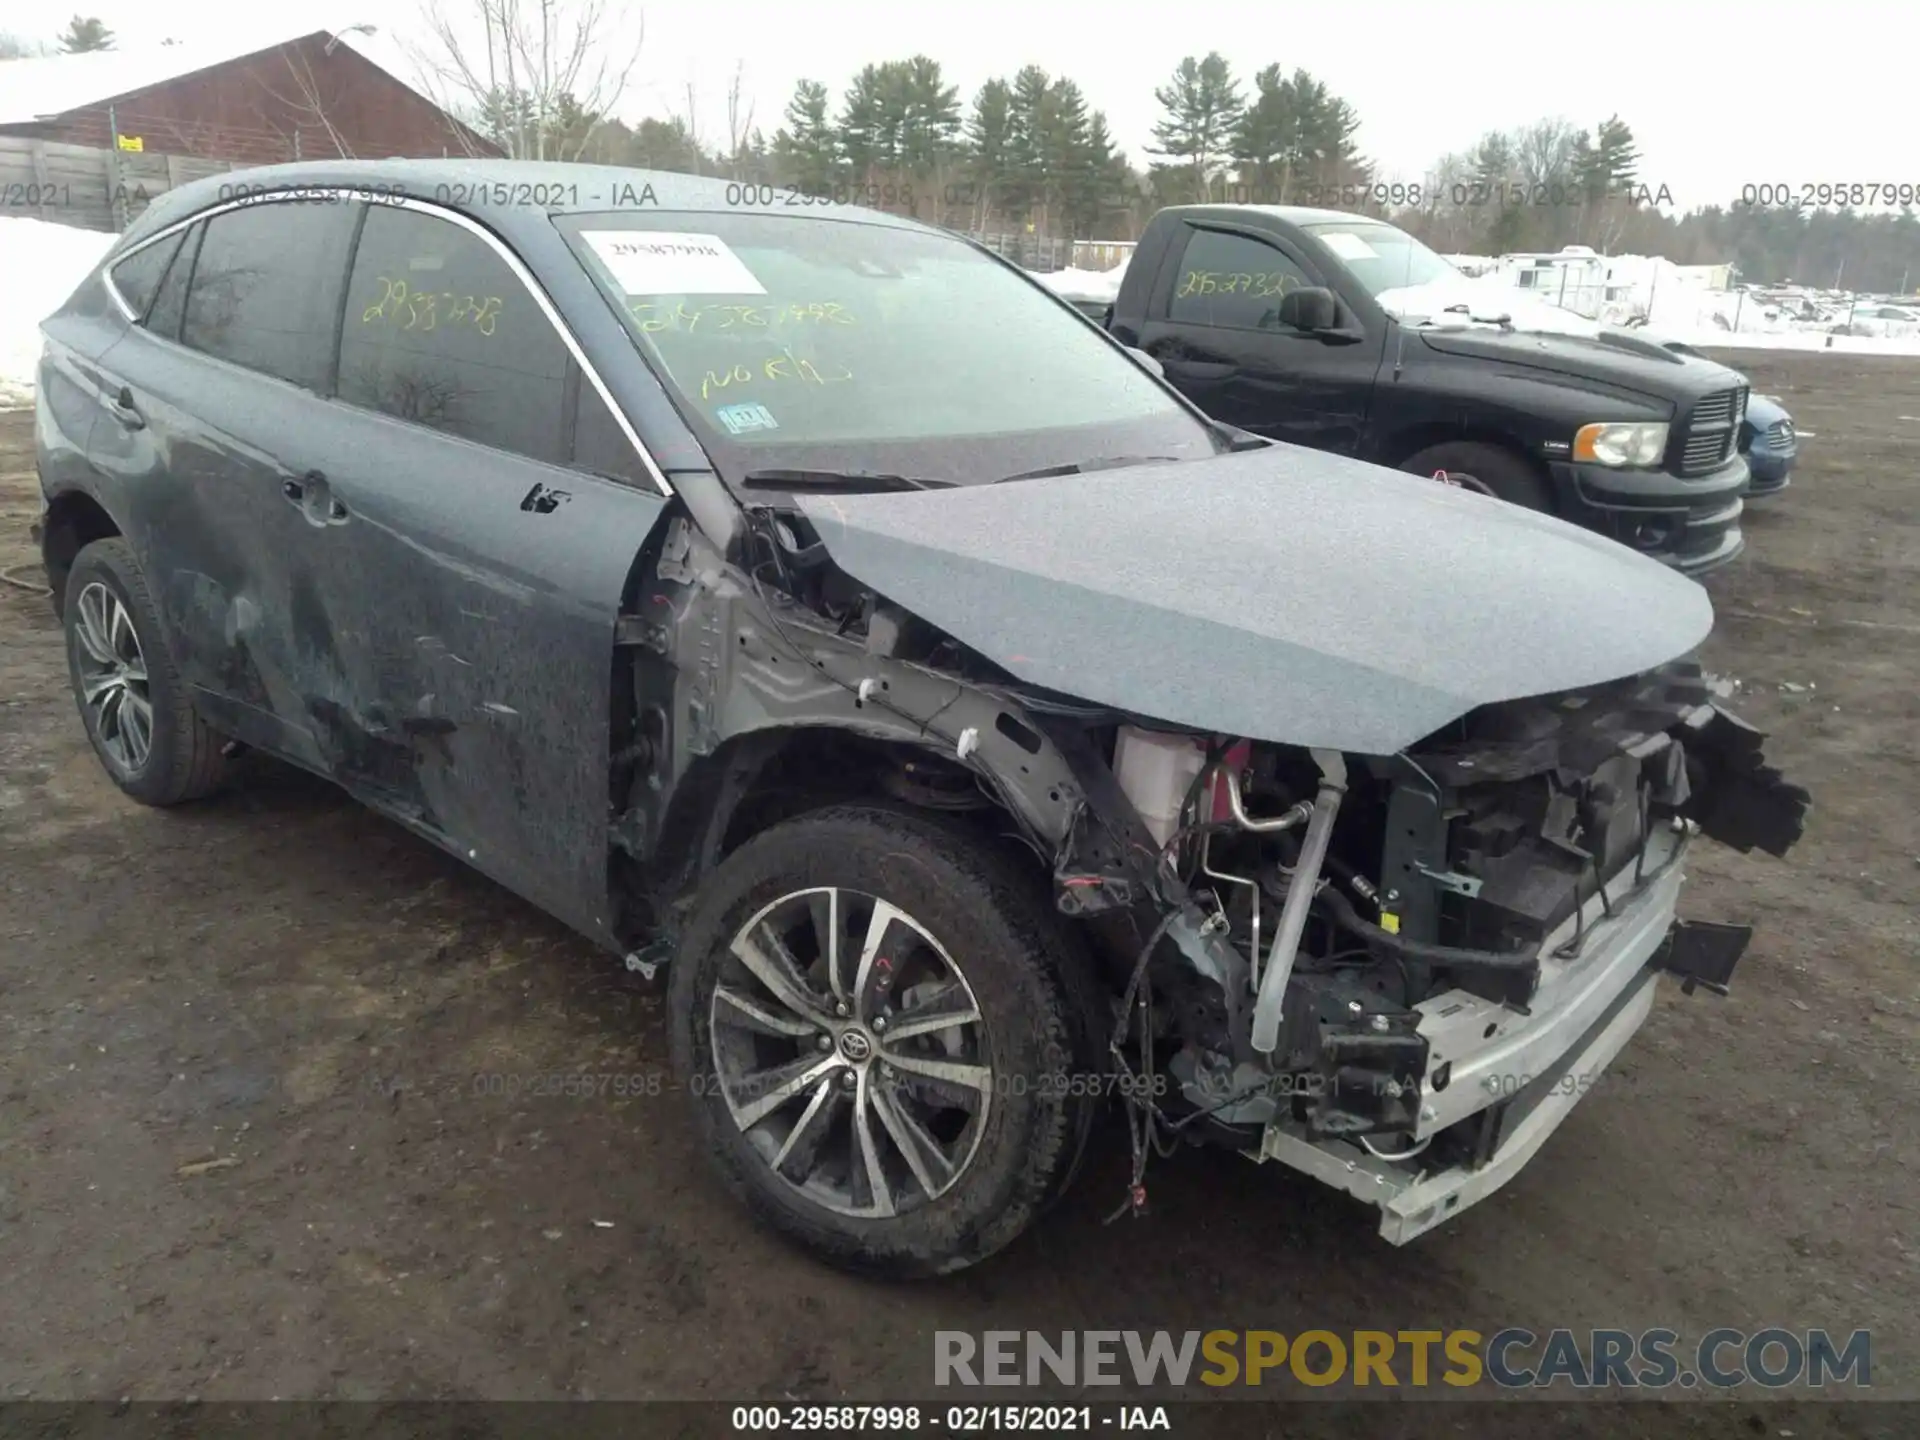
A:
[(870, 122), (929, 130), (1295, 133), (989, 149), (1202, 105), (1618, 155), (930, 116), (807, 147), (1264, 135), (1099, 180), (1026, 143), (1063, 146), (85, 34)]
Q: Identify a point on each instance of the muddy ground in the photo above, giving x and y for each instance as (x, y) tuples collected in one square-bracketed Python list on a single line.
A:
[(280, 982)]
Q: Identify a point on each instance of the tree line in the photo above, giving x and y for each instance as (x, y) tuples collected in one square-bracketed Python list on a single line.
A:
[(1029, 154)]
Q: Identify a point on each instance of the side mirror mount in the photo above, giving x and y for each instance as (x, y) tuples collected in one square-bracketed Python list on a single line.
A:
[(1312, 309), (1147, 360)]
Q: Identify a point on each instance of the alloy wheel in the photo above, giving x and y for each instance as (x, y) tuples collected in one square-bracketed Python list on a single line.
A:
[(113, 677), (851, 1052)]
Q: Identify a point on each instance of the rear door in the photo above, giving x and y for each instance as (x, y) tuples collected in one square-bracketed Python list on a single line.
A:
[(1213, 322), (213, 416), (493, 511)]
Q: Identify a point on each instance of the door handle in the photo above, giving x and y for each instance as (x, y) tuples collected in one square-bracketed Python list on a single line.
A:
[(316, 501), (125, 411)]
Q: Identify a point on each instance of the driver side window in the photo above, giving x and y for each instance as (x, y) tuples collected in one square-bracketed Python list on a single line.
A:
[(1232, 281)]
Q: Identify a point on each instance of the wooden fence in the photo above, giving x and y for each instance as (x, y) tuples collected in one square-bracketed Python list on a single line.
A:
[(91, 188)]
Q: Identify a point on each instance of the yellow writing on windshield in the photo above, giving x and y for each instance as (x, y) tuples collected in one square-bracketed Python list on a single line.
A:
[(654, 316), (430, 309), (1221, 282), (784, 366)]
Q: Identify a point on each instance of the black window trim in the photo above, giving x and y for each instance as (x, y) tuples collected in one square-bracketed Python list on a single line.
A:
[(106, 276), (352, 193), (189, 253)]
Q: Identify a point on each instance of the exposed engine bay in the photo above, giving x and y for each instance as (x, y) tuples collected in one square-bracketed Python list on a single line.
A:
[(1294, 935)]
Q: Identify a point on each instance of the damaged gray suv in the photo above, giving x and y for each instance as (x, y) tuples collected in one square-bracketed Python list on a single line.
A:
[(804, 600)]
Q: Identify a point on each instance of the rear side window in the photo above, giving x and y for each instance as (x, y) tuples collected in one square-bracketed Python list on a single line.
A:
[(138, 277), (440, 332), (266, 288), (171, 303), (1232, 281)]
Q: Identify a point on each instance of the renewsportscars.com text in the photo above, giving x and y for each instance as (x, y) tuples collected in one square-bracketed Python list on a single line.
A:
[(1512, 1358)]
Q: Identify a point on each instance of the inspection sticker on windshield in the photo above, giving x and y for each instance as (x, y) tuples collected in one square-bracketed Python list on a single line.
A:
[(1350, 247), (672, 262), (739, 419)]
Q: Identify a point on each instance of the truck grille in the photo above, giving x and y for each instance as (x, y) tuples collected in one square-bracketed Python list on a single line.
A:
[(1707, 437), (1779, 435)]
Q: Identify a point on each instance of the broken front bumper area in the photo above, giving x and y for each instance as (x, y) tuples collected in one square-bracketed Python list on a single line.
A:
[(1500, 1080)]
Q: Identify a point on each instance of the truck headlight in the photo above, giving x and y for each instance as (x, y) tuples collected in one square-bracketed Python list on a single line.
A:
[(1617, 445)]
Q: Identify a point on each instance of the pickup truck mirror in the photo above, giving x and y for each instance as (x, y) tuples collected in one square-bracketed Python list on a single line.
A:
[(1311, 309), (1147, 360)]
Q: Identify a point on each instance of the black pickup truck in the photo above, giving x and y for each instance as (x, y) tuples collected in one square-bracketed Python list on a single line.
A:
[(1346, 334)]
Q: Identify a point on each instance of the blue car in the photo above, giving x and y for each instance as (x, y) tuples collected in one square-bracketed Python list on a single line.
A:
[(1770, 443)]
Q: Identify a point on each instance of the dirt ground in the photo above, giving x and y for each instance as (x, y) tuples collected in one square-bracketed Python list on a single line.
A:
[(280, 982)]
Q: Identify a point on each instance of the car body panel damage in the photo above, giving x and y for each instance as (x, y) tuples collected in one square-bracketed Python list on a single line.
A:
[(728, 673), (1308, 798), (1281, 595)]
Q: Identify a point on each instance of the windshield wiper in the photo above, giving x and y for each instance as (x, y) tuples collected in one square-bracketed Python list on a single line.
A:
[(1081, 467), (836, 480)]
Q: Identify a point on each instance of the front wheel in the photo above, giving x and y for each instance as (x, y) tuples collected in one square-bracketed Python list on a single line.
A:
[(1487, 468), (887, 1037)]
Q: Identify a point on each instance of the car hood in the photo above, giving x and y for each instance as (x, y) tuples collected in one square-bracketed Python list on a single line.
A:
[(1280, 594), (1616, 358), (1459, 302)]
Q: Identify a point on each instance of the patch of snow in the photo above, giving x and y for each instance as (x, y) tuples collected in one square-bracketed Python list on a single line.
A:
[(1101, 285), (1462, 300), (42, 263)]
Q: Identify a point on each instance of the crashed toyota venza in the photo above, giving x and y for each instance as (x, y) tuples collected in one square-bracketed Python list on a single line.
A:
[(809, 603)]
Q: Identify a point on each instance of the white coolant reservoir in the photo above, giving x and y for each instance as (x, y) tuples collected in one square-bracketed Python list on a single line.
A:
[(1157, 770)]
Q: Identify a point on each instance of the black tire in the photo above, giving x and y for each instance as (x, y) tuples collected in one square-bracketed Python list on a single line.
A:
[(1030, 983), (1511, 477), (181, 758)]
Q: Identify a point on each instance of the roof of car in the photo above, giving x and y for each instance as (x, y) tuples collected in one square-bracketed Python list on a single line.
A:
[(1291, 214), (474, 187)]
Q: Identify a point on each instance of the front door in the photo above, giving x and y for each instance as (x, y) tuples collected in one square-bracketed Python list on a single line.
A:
[(473, 574), (1214, 324)]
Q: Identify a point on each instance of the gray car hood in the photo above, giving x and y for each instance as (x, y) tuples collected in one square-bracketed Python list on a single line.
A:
[(1280, 594)]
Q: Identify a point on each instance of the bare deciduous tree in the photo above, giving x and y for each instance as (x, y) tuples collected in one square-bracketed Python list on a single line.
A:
[(535, 76), (739, 121)]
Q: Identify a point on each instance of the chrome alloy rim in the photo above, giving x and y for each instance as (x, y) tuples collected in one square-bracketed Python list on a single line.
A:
[(851, 1052), (113, 677)]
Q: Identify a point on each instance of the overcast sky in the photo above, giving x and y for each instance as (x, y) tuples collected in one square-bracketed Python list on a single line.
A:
[(1719, 93)]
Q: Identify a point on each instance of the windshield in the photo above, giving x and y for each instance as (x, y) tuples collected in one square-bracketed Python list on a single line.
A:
[(1381, 257), (833, 344)]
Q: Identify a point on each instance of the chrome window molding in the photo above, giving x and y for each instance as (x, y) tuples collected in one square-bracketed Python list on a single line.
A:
[(293, 194)]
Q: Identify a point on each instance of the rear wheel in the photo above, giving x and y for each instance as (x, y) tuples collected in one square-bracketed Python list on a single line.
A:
[(136, 708), (887, 1038), (1490, 468)]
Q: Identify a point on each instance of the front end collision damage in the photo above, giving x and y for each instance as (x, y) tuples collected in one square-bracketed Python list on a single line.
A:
[(1468, 924)]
